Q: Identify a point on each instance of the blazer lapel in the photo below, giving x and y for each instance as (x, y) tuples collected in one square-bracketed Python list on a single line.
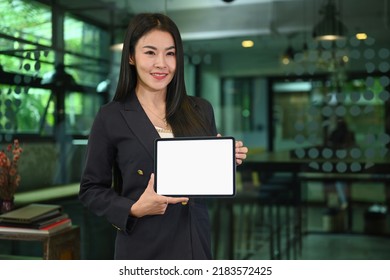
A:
[(139, 123)]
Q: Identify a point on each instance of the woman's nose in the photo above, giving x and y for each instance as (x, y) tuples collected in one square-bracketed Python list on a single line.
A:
[(160, 62)]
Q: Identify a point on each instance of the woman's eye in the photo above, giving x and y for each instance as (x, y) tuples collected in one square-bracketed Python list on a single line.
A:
[(171, 53), (149, 52)]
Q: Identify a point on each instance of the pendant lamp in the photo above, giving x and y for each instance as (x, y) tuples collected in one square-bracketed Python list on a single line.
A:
[(330, 27)]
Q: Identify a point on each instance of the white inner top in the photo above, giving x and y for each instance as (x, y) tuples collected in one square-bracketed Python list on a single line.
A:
[(164, 133)]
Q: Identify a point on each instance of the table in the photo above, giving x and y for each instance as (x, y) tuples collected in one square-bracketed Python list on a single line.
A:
[(374, 169), (284, 161), (63, 245)]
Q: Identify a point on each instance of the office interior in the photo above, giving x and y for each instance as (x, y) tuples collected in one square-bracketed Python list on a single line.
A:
[(274, 81)]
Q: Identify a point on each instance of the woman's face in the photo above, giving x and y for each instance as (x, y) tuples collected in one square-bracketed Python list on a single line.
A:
[(155, 61)]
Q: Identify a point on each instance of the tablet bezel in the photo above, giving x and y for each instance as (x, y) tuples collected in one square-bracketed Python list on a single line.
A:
[(184, 194)]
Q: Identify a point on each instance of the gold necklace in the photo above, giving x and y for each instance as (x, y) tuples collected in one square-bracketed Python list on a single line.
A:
[(164, 119)]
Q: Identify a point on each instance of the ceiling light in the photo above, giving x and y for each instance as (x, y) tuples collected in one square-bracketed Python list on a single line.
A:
[(288, 55), (329, 28), (361, 36), (247, 43)]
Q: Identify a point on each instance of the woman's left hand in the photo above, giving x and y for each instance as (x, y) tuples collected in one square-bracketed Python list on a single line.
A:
[(241, 151)]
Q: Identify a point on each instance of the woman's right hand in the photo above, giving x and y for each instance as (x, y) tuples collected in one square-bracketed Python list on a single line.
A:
[(151, 203)]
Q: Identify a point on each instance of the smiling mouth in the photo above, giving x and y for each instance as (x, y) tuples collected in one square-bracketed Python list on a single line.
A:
[(159, 74)]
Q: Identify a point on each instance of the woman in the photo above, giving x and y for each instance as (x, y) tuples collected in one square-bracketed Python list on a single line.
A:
[(150, 102)]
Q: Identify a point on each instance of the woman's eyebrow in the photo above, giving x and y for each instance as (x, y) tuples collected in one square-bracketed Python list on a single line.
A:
[(154, 48)]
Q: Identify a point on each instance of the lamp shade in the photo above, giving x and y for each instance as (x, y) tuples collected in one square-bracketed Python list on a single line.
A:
[(329, 28)]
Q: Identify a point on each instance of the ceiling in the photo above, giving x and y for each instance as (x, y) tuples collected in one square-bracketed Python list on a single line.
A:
[(216, 26)]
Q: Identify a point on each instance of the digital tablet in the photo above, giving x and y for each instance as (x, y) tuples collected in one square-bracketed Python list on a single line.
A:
[(195, 167)]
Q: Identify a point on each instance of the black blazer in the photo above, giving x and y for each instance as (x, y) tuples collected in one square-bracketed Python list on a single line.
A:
[(122, 135)]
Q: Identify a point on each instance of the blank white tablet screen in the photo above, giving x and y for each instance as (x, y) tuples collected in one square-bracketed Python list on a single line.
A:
[(195, 167)]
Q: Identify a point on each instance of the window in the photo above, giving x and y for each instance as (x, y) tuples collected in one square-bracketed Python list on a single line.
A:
[(28, 102), (236, 103), (305, 113), (48, 96), (87, 51)]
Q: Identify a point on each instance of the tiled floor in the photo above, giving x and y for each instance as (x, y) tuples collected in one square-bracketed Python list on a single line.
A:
[(345, 247), (317, 242), (320, 245)]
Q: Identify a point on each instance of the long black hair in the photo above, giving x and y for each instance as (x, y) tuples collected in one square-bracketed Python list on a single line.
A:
[(180, 113)]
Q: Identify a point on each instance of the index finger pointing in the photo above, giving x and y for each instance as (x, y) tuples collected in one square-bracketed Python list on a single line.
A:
[(175, 200)]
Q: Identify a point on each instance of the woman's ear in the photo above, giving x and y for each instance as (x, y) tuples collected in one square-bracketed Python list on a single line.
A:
[(131, 60)]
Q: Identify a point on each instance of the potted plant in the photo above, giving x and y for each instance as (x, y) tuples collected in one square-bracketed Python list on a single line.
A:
[(9, 175)]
